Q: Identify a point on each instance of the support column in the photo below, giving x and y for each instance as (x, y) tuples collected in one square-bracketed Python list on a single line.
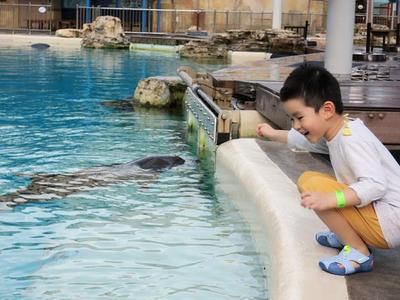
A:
[(88, 18), (158, 15), (369, 14), (339, 37), (398, 11), (398, 23), (277, 14), (144, 16)]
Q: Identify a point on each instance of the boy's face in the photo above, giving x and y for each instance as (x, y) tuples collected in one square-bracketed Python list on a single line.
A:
[(305, 120)]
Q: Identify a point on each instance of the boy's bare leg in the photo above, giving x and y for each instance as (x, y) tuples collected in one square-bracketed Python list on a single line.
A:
[(338, 224)]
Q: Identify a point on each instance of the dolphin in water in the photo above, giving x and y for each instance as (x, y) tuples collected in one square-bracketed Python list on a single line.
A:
[(55, 186)]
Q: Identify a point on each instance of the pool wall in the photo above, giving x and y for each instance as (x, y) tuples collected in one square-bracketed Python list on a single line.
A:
[(292, 255)]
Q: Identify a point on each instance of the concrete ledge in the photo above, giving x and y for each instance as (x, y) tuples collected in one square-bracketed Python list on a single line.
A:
[(153, 47), (28, 40), (293, 272), (244, 57)]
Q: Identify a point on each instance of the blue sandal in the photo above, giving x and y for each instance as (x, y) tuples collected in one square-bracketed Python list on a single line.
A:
[(329, 239), (344, 258)]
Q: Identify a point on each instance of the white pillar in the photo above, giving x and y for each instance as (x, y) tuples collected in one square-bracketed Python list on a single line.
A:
[(369, 17), (339, 37), (277, 14)]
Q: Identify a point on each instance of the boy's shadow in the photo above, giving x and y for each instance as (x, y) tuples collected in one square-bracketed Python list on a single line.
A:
[(382, 282)]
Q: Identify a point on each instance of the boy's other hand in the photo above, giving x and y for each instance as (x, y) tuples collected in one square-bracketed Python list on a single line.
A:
[(318, 201)]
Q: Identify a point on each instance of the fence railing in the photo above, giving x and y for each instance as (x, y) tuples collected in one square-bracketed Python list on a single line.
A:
[(26, 17), (213, 21), (37, 17), (389, 21), (175, 21), (316, 22)]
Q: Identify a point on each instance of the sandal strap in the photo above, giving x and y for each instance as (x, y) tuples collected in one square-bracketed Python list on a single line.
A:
[(345, 258), (350, 253)]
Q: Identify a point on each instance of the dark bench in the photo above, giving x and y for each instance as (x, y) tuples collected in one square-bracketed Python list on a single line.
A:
[(302, 30), (385, 34)]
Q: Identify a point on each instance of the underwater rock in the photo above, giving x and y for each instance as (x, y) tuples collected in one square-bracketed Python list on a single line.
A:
[(121, 105)]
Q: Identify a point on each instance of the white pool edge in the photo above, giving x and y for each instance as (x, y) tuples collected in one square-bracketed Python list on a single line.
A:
[(293, 271)]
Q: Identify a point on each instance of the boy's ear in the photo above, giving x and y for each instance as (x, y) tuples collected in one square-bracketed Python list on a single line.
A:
[(328, 109)]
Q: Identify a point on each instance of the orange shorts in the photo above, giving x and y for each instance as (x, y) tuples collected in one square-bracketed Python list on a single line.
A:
[(363, 220)]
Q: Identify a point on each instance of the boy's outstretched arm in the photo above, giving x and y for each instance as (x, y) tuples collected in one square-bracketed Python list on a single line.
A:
[(267, 131)]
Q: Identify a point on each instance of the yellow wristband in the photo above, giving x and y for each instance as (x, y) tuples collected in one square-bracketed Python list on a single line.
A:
[(340, 199)]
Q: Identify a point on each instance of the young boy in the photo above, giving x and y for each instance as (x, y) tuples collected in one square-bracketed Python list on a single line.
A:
[(361, 207)]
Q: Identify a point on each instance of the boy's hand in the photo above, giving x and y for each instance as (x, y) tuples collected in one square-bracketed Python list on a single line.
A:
[(267, 131), (264, 130), (318, 201)]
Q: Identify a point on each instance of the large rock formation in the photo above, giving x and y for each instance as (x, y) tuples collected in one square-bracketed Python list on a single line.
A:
[(160, 91), (104, 32), (245, 40)]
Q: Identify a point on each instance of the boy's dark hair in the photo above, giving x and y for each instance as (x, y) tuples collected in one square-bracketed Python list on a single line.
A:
[(315, 85)]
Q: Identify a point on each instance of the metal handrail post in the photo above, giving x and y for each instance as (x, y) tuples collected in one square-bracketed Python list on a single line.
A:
[(29, 18), (197, 20), (262, 20), (174, 22), (77, 16), (368, 41), (226, 19), (306, 30), (214, 20)]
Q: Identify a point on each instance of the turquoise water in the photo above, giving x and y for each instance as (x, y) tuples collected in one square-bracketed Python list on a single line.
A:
[(170, 238)]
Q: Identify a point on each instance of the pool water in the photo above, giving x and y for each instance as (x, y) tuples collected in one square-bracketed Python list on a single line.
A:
[(167, 238)]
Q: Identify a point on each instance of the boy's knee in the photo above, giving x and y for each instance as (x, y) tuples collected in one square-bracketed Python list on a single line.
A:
[(305, 179), (311, 181)]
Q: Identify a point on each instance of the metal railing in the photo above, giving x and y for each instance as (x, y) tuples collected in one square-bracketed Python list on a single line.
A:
[(316, 22), (176, 20), (43, 17), (390, 21), (26, 17), (179, 20)]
